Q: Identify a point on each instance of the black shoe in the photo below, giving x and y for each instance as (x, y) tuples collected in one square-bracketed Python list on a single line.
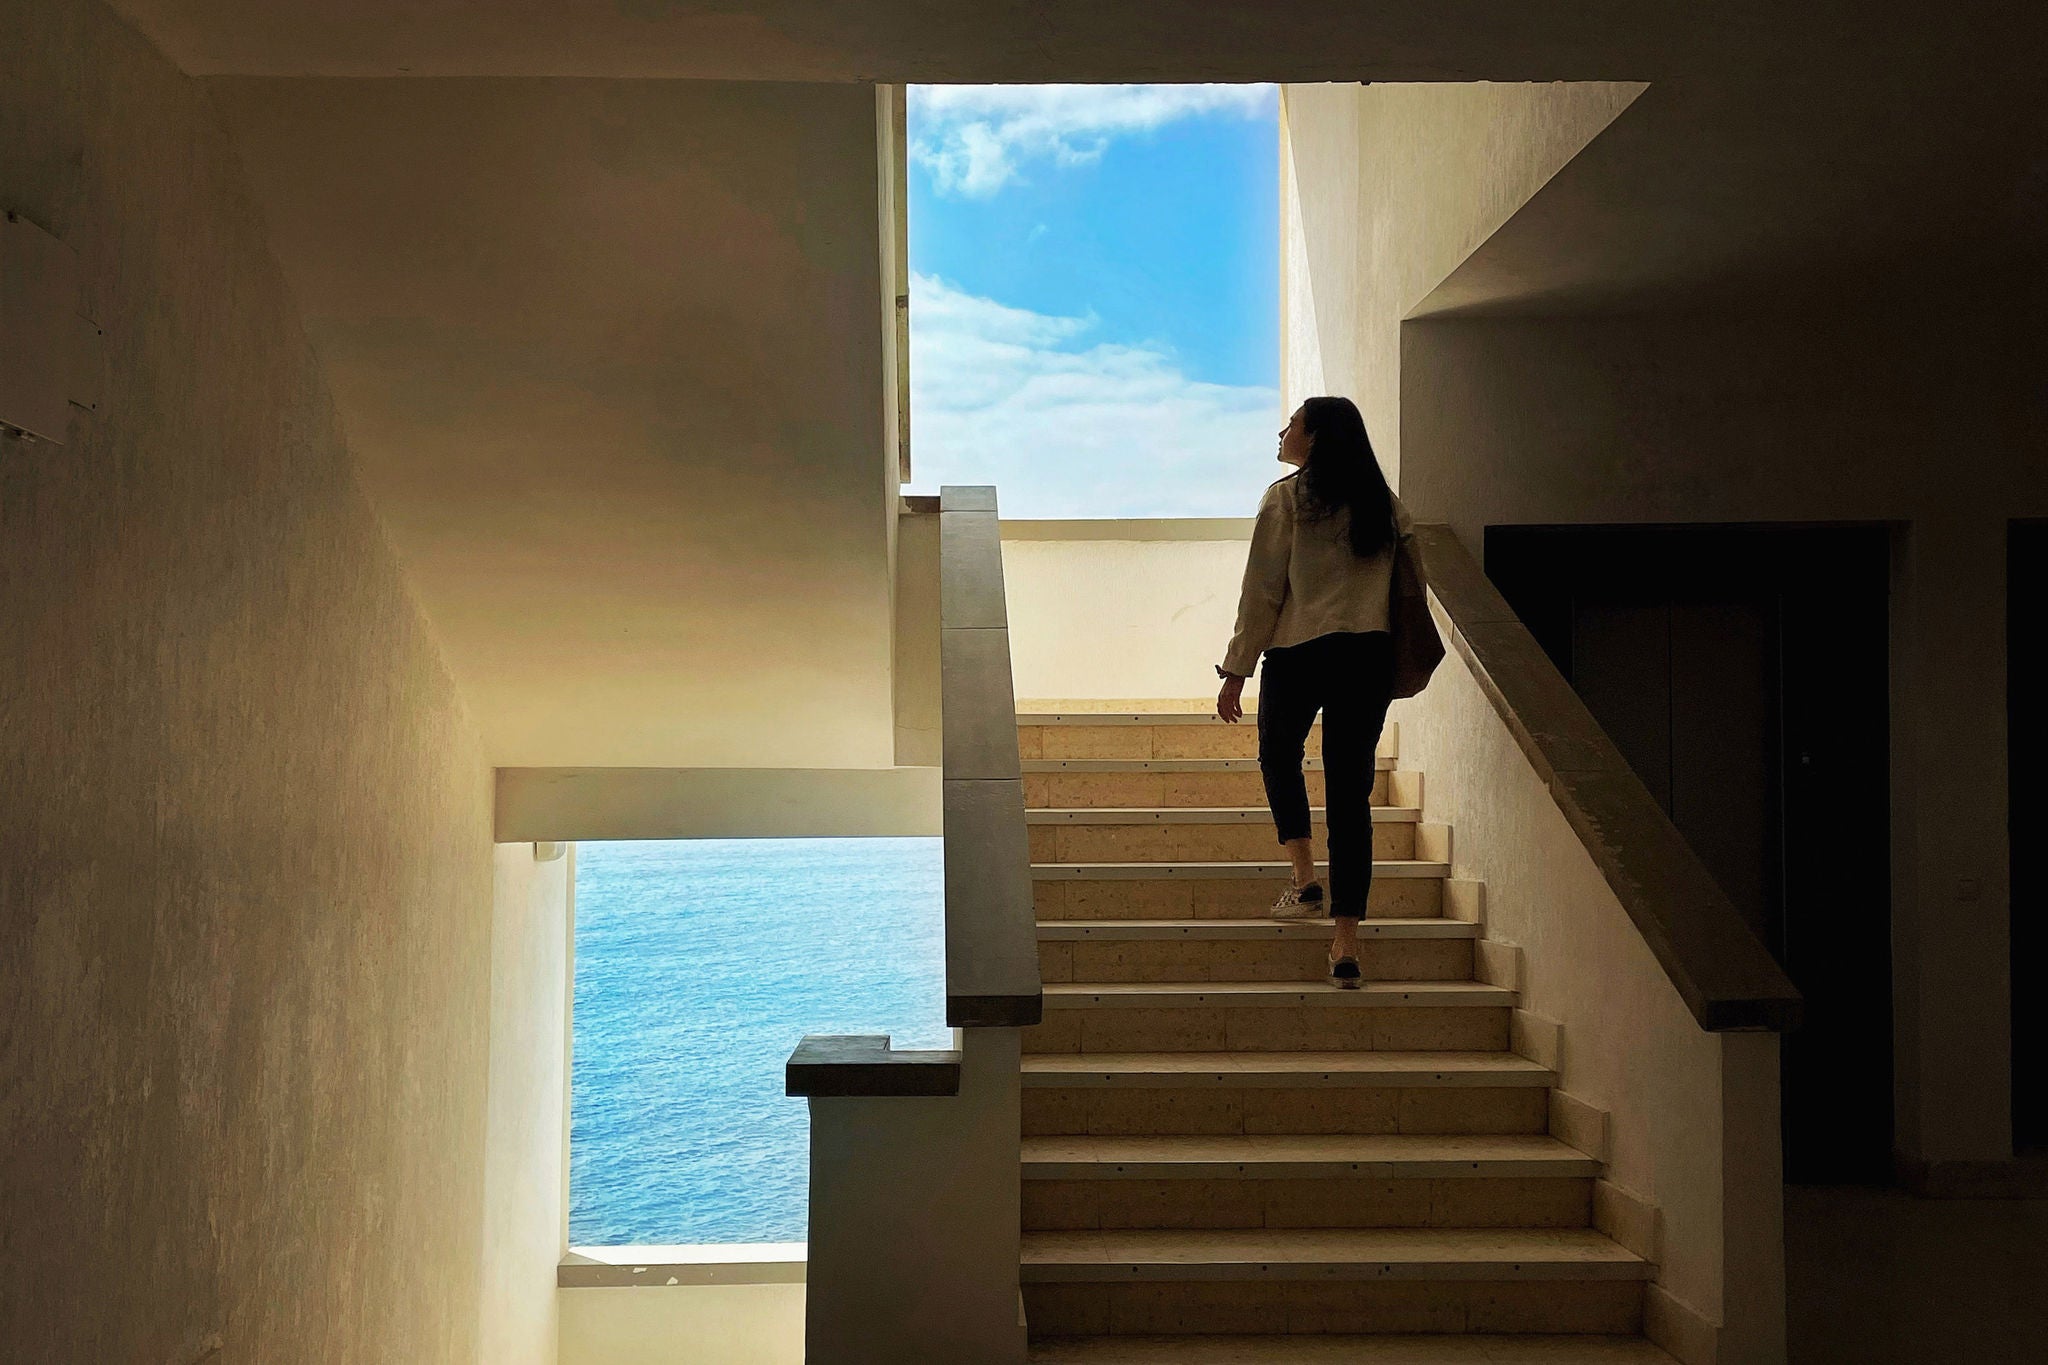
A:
[(1300, 902), (1344, 974)]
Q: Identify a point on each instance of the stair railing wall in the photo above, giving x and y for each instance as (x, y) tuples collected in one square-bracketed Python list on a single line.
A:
[(914, 1198), (1641, 984)]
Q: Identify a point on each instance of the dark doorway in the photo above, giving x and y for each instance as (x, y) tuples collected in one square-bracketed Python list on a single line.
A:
[(2026, 731), (1743, 671)]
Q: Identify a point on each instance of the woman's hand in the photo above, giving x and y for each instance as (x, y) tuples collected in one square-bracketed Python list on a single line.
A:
[(1230, 700)]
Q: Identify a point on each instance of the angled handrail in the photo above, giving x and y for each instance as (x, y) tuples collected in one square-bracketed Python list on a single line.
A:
[(1722, 971), (991, 932), (915, 1203)]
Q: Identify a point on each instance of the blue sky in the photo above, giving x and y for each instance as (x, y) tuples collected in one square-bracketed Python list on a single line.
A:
[(1094, 313)]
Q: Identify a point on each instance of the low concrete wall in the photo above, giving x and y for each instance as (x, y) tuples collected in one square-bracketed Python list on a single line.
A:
[(1120, 610), (915, 1219), (691, 1324)]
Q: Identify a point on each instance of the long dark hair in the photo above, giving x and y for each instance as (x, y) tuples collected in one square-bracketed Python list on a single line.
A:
[(1343, 473)]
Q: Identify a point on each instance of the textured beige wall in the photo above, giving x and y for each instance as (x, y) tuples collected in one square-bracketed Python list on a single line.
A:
[(525, 1223), (1386, 188), (916, 643), (245, 892), (1925, 411)]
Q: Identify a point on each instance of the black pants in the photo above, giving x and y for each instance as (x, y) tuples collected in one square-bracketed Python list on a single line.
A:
[(1350, 679)]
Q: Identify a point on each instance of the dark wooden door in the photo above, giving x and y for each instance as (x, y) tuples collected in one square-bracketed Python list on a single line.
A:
[(1743, 672), (2026, 709)]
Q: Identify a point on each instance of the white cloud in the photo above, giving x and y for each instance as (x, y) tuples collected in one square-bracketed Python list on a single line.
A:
[(1068, 428), (973, 138)]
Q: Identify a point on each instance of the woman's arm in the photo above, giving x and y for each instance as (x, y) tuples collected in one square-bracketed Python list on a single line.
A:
[(1265, 585)]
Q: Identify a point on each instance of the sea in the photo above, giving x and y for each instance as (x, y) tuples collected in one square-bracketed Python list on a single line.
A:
[(699, 966)]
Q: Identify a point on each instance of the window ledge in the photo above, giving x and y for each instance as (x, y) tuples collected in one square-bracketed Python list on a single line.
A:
[(628, 1267)]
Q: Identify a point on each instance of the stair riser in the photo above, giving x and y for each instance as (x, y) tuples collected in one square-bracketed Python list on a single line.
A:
[(1144, 791), (1147, 1111), (1328, 1306), (1291, 959), (1270, 1028), (1221, 898), (1247, 841), (1216, 740), (1326, 1202)]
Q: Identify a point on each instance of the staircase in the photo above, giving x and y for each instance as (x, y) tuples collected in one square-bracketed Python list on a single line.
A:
[(1226, 1159)]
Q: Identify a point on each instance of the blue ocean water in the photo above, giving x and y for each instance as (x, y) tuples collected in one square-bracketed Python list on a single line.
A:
[(699, 965)]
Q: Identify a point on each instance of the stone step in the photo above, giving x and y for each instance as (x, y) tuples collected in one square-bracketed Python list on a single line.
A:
[(1213, 763), (1060, 837), (1289, 1156), (1194, 815), (1401, 889), (1237, 1070), (1271, 1016), (1330, 1280), (1301, 1181), (1248, 950), (1154, 735), (1274, 994), (1378, 1254), (1155, 739), (1234, 782), (1531, 1349), (1317, 931), (1165, 1093)]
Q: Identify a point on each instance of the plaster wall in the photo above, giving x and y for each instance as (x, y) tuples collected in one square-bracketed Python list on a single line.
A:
[(717, 803), (1120, 610), (691, 1324), (611, 356), (1385, 190), (916, 642), (1630, 1046), (1924, 412), (246, 888), (525, 1219)]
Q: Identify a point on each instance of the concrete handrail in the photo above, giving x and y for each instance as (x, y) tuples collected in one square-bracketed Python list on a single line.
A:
[(992, 976), (991, 932), (915, 1207), (1722, 971)]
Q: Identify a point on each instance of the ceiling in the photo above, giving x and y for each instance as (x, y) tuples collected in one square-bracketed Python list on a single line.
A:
[(609, 357), (1086, 40), (610, 350)]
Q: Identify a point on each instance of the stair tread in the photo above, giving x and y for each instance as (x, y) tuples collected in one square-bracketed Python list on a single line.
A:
[(1193, 815), (1386, 1155), (1350, 1350), (1290, 1068), (1325, 1253), (1084, 994), (1247, 869), (1065, 929), (1173, 765)]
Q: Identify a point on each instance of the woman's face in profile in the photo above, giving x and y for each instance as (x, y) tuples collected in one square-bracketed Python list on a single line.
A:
[(1294, 442)]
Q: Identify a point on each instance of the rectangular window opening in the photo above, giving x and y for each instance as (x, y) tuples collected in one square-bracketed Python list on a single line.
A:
[(699, 965)]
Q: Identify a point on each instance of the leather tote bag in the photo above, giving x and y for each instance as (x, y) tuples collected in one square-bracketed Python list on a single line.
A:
[(1418, 649)]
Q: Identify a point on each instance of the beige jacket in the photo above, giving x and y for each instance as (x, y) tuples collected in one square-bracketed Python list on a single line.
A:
[(1303, 580)]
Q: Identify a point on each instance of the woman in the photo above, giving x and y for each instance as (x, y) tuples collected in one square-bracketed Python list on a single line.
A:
[(1316, 604)]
